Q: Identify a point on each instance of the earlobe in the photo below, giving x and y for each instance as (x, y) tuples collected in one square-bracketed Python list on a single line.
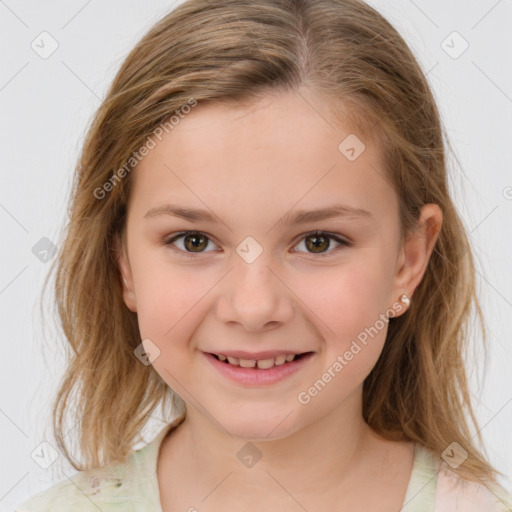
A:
[(126, 274), (416, 252)]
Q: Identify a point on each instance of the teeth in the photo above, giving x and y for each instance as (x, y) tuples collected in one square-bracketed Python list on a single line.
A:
[(262, 364), (279, 360), (247, 363), (265, 364)]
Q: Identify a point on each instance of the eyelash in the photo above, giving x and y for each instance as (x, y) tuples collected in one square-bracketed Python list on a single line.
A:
[(343, 243)]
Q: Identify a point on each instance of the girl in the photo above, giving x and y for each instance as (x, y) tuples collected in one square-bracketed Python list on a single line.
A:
[(261, 237)]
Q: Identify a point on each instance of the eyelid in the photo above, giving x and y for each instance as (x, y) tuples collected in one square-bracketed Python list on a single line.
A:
[(341, 240)]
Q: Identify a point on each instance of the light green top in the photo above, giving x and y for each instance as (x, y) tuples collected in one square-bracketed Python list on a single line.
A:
[(133, 487)]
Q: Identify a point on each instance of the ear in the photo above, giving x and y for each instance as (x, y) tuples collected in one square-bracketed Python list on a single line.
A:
[(126, 273), (416, 251)]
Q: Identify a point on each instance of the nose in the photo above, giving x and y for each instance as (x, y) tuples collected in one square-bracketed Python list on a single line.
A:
[(254, 296)]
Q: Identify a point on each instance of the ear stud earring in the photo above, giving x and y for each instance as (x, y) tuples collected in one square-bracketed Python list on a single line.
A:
[(405, 299)]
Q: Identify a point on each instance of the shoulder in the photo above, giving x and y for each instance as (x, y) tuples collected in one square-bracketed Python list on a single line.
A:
[(92, 490), (128, 486), (454, 494)]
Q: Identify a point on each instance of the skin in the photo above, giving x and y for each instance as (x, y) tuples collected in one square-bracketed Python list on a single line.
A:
[(250, 167)]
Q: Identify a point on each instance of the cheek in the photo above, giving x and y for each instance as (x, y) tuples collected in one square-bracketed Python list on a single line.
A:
[(349, 306), (349, 302), (168, 300), (170, 307), (345, 299)]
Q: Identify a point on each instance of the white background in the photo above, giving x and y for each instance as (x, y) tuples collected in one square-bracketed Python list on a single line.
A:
[(46, 105)]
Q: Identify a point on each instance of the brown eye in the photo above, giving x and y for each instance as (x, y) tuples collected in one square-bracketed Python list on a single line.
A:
[(319, 242), (195, 241), (192, 242)]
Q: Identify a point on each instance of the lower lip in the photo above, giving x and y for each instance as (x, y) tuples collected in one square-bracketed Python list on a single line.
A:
[(256, 376)]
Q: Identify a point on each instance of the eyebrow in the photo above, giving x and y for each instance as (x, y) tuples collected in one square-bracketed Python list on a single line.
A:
[(290, 218)]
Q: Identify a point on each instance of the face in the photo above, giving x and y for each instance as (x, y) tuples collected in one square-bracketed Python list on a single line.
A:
[(256, 278)]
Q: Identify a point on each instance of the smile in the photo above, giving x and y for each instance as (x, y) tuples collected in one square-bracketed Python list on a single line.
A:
[(262, 364), (258, 372)]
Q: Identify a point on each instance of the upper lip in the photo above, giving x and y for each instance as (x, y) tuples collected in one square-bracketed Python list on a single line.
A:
[(242, 354)]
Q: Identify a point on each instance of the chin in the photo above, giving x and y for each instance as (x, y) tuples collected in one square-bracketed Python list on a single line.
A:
[(260, 426)]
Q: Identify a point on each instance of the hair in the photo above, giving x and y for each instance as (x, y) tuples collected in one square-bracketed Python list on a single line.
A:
[(234, 52)]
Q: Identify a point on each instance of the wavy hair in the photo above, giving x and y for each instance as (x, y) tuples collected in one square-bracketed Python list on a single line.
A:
[(236, 51)]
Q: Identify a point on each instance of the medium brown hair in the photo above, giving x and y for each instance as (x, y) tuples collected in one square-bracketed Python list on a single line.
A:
[(235, 52)]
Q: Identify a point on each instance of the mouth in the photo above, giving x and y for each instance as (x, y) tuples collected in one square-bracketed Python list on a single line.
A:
[(265, 369), (265, 363)]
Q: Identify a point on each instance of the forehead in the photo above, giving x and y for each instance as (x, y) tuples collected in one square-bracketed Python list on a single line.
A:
[(281, 150)]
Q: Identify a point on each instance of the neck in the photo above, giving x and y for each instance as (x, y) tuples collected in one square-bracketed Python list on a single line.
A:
[(201, 452)]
